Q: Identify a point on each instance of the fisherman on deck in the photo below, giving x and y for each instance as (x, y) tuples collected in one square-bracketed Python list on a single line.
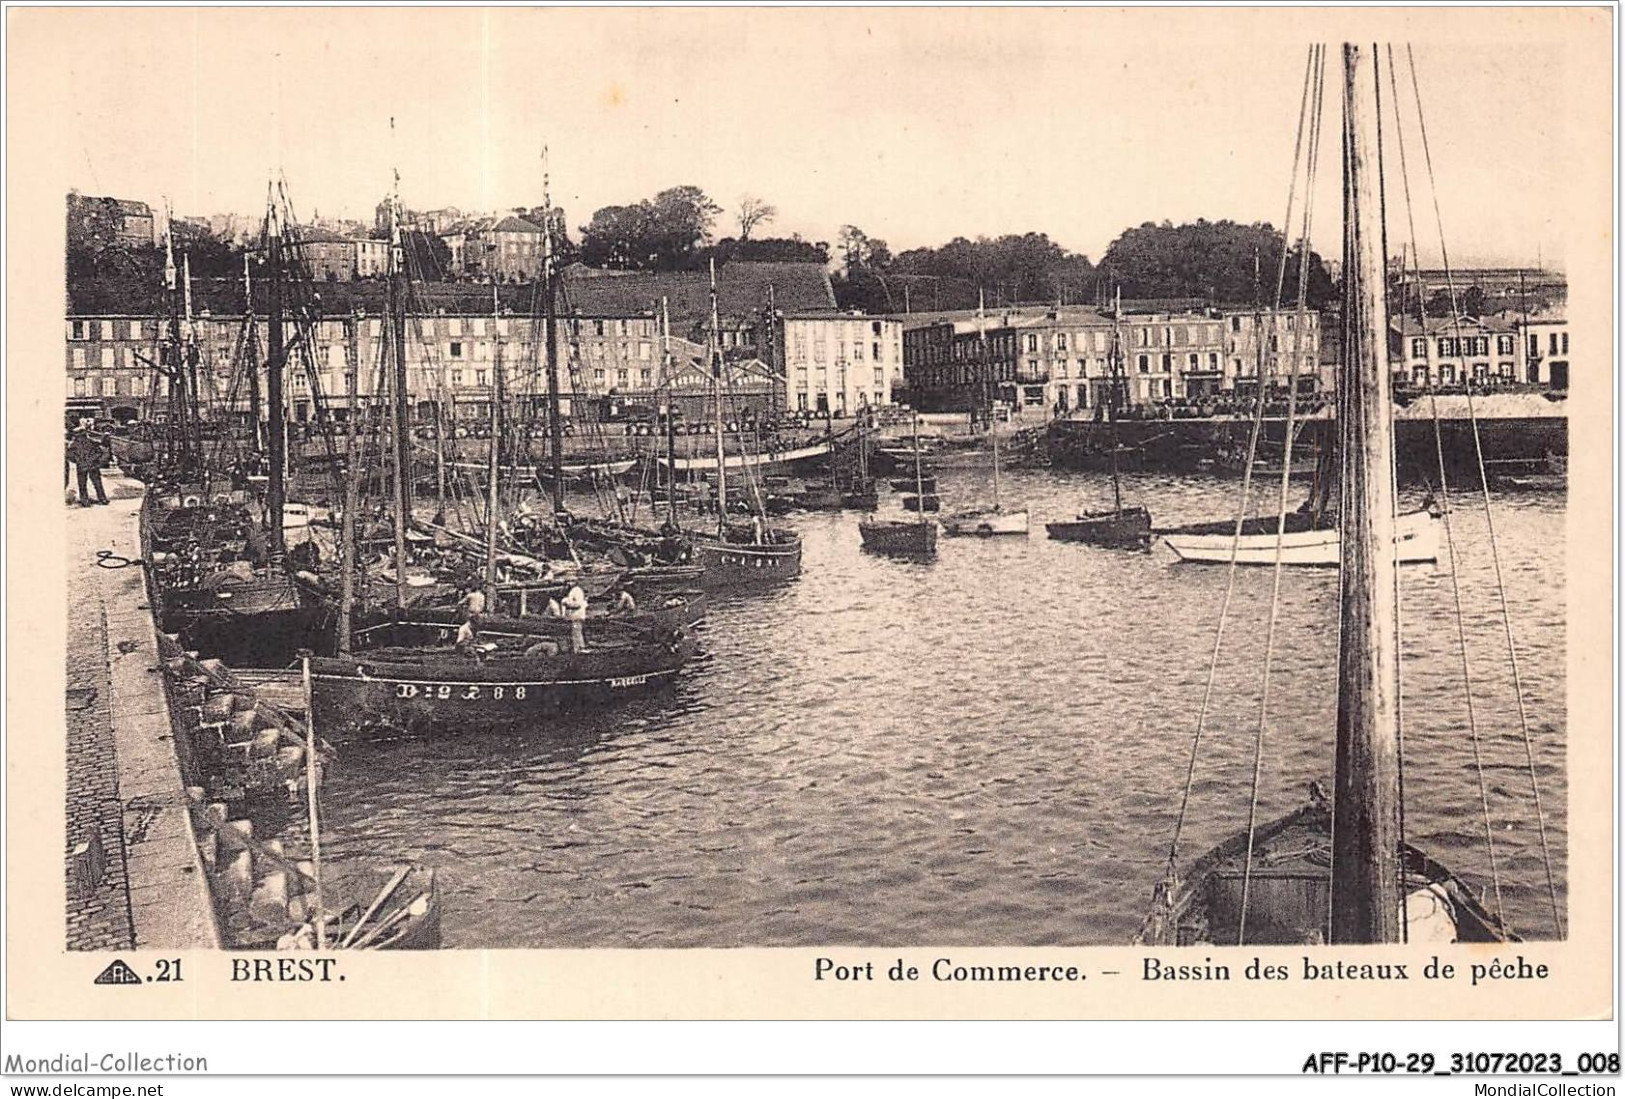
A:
[(624, 603), (473, 603), (575, 608)]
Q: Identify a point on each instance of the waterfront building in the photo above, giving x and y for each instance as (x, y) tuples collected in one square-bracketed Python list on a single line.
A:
[(508, 250), (1060, 359), (610, 346), (1543, 351), (1271, 337), (1441, 352)]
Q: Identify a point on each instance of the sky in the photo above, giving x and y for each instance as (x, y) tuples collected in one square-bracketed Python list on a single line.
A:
[(915, 125)]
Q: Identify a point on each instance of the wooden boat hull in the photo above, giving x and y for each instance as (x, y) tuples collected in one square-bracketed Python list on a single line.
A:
[(1289, 892), (1416, 538), (986, 523), (929, 502), (899, 537), (766, 461), (730, 564), (908, 484), (1129, 528), (444, 689)]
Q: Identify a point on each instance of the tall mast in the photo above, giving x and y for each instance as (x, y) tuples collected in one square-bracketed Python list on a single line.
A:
[(275, 354), (1117, 381), (1365, 899), (195, 435), (919, 476), (251, 351), (981, 343), (171, 356), (550, 333), (398, 390), (493, 498), (671, 411), (352, 487), (715, 349)]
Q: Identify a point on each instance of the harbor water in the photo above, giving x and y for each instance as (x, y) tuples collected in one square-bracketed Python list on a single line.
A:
[(986, 749)]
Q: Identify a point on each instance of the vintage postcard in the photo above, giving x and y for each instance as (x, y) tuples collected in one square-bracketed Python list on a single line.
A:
[(810, 514)]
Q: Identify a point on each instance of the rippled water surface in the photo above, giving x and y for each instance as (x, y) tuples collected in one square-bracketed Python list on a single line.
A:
[(988, 749)]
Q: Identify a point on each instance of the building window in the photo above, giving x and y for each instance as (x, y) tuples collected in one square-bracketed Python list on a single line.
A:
[(1419, 377), (107, 333), (1419, 349), (79, 386), (1534, 345), (1167, 363), (138, 385), (135, 330), (1145, 364), (78, 357), (456, 377), (1032, 342), (1553, 343), (1565, 343), (1447, 346), (1213, 360), (1196, 360), (646, 377), (598, 375), (1060, 341), (1503, 345), (78, 330), (597, 328), (107, 358), (880, 377), (454, 326), (455, 349)]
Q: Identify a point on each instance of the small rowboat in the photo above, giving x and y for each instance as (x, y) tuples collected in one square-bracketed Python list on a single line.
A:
[(1123, 528), (899, 537), (986, 522)]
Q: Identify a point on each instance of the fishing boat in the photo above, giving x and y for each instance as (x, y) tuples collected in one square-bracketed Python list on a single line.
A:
[(409, 670), (738, 555), (995, 518), (223, 574), (1119, 527), (901, 536), (1339, 869)]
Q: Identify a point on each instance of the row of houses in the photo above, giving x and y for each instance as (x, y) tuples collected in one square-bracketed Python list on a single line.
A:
[(1061, 359), (624, 341)]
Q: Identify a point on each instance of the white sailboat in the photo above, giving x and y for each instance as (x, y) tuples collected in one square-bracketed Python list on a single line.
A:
[(996, 519)]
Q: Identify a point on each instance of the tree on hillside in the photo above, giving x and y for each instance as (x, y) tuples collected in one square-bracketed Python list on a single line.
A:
[(659, 234), (753, 212), (1221, 261), (765, 250)]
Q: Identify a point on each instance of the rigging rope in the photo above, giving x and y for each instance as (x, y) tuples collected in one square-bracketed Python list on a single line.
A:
[(1449, 533), (1244, 496), (1318, 59), (1495, 552)]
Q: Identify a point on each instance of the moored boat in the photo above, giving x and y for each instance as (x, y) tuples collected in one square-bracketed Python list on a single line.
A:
[(1416, 539), (899, 537), (1117, 528), (417, 682)]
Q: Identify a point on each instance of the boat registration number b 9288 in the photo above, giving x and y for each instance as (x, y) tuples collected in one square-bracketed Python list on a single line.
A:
[(461, 692)]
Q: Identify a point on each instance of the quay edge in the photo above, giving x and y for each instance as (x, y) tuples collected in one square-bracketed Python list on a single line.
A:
[(169, 898)]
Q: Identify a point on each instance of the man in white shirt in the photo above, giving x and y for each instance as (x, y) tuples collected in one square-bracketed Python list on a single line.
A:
[(575, 609)]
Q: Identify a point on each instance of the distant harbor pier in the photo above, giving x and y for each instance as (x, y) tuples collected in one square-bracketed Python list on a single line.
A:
[(1515, 430)]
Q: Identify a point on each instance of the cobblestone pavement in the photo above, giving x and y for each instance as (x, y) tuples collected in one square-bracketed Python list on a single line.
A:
[(98, 916)]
